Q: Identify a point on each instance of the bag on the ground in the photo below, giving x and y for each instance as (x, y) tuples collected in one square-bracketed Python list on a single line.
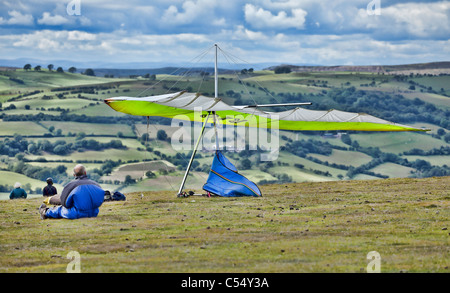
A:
[(115, 196), (118, 196), (107, 195)]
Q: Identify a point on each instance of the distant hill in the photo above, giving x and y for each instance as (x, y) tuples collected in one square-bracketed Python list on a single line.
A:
[(423, 68), (118, 72), (65, 64), (150, 71), (142, 68), (7, 68)]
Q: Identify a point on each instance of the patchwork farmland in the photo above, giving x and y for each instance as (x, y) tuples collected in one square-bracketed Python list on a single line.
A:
[(51, 119)]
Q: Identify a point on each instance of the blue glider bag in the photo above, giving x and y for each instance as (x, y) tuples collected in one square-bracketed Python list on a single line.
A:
[(224, 180)]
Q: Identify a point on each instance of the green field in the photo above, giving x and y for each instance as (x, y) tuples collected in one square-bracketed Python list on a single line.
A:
[(434, 160), (90, 129), (36, 104), (398, 142), (22, 128), (138, 170), (96, 109), (126, 154), (45, 79), (351, 158), (393, 170)]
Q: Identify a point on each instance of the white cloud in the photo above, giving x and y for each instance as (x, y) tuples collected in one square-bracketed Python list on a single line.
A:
[(172, 13), (219, 22), (18, 18), (80, 36), (84, 21), (423, 20), (39, 41), (252, 46), (260, 18), (48, 19), (284, 5), (192, 11), (79, 45), (243, 34), (280, 31)]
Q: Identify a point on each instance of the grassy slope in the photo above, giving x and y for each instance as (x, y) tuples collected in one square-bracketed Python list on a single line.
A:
[(10, 178), (303, 227), (44, 78), (398, 142), (21, 127)]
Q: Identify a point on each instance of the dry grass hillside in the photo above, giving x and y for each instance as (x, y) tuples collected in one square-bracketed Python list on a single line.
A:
[(293, 228)]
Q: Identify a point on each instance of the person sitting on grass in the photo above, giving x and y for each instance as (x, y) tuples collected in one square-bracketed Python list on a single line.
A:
[(80, 198), (49, 190), (18, 192)]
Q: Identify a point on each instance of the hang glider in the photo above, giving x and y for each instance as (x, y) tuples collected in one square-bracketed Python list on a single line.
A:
[(197, 107), (182, 105)]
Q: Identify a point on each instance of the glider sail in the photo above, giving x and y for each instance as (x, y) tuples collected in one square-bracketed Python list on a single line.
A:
[(195, 107), (182, 105), (224, 180)]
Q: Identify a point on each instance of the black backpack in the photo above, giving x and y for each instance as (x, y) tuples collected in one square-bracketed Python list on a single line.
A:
[(115, 196), (118, 196)]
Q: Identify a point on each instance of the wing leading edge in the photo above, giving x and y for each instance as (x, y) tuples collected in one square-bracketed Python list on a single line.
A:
[(195, 107)]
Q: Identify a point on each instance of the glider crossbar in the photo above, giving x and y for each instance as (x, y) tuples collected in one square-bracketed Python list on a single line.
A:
[(272, 105)]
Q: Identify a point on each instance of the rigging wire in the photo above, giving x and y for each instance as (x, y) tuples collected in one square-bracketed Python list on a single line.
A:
[(199, 57), (235, 59), (240, 80), (230, 59)]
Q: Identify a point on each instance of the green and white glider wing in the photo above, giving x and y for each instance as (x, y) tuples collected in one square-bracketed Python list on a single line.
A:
[(195, 107)]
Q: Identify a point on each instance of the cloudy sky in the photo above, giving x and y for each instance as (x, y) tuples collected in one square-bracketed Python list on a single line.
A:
[(329, 32)]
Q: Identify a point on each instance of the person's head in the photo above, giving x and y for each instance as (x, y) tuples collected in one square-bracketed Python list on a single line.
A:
[(49, 181), (79, 170), (17, 185)]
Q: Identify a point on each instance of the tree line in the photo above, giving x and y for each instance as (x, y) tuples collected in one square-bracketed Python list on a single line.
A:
[(392, 107), (303, 147), (16, 145), (65, 116), (395, 108), (50, 67)]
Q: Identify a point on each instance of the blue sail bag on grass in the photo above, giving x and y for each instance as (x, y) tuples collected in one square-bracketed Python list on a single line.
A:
[(224, 180)]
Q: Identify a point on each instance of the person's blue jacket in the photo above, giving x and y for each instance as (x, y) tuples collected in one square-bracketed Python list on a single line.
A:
[(82, 202)]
